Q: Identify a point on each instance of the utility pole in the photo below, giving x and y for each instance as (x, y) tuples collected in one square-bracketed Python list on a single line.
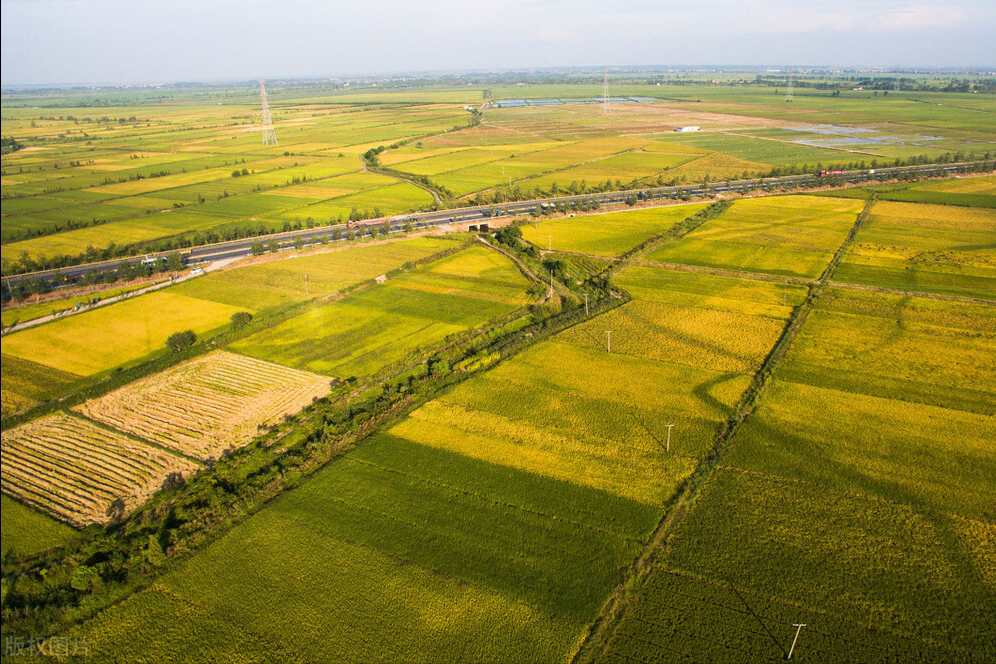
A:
[(551, 283), (668, 447), (798, 628), (608, 341), (307, 290), (549, 243), (586, 305), (785, 294)]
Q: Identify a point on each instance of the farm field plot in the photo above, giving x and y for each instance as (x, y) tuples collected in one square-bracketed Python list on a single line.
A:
[(368, 330), (72, 469), (787, 235), (584, 417), (451, 161), (709, 291), (609, 234), (25, 383), (624, 169), (932, 457), (280, 282), (16, 225), (930, 248), (394, 198), (101, 339), (715, 166), (207, 405), (969, 192), (914, 349), (522, 166), (26, 531), (475, 273), (707, 338), (761, 150), (857, 499), (300, 593), (682, 617), (872, 580)]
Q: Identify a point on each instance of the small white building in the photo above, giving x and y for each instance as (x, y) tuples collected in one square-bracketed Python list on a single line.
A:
[(682, 130)]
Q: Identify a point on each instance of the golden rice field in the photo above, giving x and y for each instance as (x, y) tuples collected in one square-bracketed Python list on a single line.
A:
[(915, 349), (709, 291), (110, 336), (926, 248), (73, 469), (609, 234), (785, 235), (716, 166), (210, 404), (704, 338), (985, 184)]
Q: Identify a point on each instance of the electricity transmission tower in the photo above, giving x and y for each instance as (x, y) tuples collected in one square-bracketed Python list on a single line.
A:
[(606, 106), (791, 87), (269, 133)]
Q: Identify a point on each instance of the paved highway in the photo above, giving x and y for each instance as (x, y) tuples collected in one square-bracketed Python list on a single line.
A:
[(239, 248)]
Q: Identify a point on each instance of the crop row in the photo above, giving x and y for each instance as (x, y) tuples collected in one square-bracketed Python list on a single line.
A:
[(73, 469), (209, 404)]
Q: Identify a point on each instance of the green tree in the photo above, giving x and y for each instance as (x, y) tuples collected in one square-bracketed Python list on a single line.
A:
[(179, 341), (240, 319), (84, 577), (37, 286), (174, 262), (154, 553), (257, 248)]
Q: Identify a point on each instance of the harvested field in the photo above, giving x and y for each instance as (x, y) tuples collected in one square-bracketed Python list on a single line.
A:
[(73, 469), (207, 405)]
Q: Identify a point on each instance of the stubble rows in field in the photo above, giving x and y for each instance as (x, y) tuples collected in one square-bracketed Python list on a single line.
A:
[(210, 404), (73, 469)]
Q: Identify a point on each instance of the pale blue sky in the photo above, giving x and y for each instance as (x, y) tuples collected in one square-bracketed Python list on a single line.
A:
[(134, 41)]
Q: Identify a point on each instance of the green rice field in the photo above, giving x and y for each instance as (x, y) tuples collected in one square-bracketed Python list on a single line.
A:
[(373, 328)]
